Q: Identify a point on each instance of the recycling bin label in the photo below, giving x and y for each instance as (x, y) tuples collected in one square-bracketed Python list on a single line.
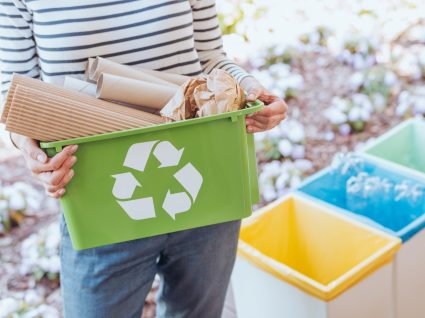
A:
[(137, 157)]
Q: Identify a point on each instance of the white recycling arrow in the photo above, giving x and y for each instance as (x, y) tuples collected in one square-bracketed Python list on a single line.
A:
[(138, 155), (125, 184), (167, 154), (175, 203), (139, 209), (190, 179)]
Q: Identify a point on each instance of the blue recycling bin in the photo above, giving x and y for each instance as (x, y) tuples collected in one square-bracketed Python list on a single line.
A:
[(398, 220)]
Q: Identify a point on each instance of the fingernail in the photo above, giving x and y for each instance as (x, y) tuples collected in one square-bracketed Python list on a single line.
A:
[(249, 129), (251, 97), (61, 192), (74, 148), (73, 160), (41, 157)]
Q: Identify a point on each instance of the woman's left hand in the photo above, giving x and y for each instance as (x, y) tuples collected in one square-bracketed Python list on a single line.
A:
[(272, 114)]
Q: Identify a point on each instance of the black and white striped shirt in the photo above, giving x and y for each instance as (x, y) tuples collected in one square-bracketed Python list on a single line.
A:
[(52, 39)]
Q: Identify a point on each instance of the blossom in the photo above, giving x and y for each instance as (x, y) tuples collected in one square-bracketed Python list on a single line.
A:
[(411, 102), (40, 253), (285, 147), (285, 140), (8, 306), (298, 152), (277, 177), (336, 116), (345, 129)]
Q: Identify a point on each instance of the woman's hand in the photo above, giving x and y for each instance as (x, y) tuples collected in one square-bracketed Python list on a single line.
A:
[(54, 173), (271, 115)]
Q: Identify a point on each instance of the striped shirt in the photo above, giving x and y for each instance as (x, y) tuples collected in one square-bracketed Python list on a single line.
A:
[(51, 39)]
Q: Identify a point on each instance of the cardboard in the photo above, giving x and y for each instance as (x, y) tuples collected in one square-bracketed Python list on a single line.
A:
[(49, 117), (135, 92), (74, 96), (101, 65), (77, 85)]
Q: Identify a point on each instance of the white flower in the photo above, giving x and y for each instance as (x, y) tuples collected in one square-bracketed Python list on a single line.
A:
[(275, 133), (335, 116), (303, 165), (280, 69), (402, 109), (40, 251), (8, 306), (390, 78), (364, 114), (269, 193), (4, 206), (354, 114), (45, 311), (359, 62), (32, 298), (281, 176), (295, 81), (356, 80), (362, 100), (345, 129), (285, 147), (296, 134), (298, 152), (329, 136), (409, 66), (17, 202), (340, 103), (282, 181), (379, 102), (295, 181)]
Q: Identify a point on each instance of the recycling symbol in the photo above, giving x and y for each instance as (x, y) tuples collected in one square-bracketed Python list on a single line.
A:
[(168, 156)]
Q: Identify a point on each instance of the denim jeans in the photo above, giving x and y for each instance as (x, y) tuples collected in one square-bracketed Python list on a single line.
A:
[(114, 280)]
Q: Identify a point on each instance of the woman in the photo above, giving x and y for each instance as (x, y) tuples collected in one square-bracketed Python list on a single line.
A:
[(50, 39)]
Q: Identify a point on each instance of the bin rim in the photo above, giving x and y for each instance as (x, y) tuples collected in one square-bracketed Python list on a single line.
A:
[(339, 285), (405, 233), (250, 109), (363, 152)]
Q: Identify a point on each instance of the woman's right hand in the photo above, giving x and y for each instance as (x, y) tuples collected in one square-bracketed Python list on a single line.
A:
[(54, 173)]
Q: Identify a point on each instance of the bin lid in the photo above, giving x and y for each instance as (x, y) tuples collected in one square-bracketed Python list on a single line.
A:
[(311, 247), (251, 107)]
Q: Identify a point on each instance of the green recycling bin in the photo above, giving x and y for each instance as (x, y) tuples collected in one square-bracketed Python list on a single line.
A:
[(401, 147), (160, 179)]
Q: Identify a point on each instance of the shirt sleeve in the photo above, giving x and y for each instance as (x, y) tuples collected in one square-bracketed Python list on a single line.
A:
[(208, 40), (17, 45)]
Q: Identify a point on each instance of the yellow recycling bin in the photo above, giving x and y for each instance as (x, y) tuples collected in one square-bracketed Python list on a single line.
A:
[(300, 259)]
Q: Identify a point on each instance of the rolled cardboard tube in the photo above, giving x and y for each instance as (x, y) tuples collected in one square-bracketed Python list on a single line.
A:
[(101, 65), (89, 64), (135, 92), (170, 77), (77, 85)]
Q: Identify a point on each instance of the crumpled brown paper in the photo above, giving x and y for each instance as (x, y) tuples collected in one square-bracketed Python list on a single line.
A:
[(206, 95)]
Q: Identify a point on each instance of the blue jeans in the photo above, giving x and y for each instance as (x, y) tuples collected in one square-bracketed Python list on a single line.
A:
[(114, 280)]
